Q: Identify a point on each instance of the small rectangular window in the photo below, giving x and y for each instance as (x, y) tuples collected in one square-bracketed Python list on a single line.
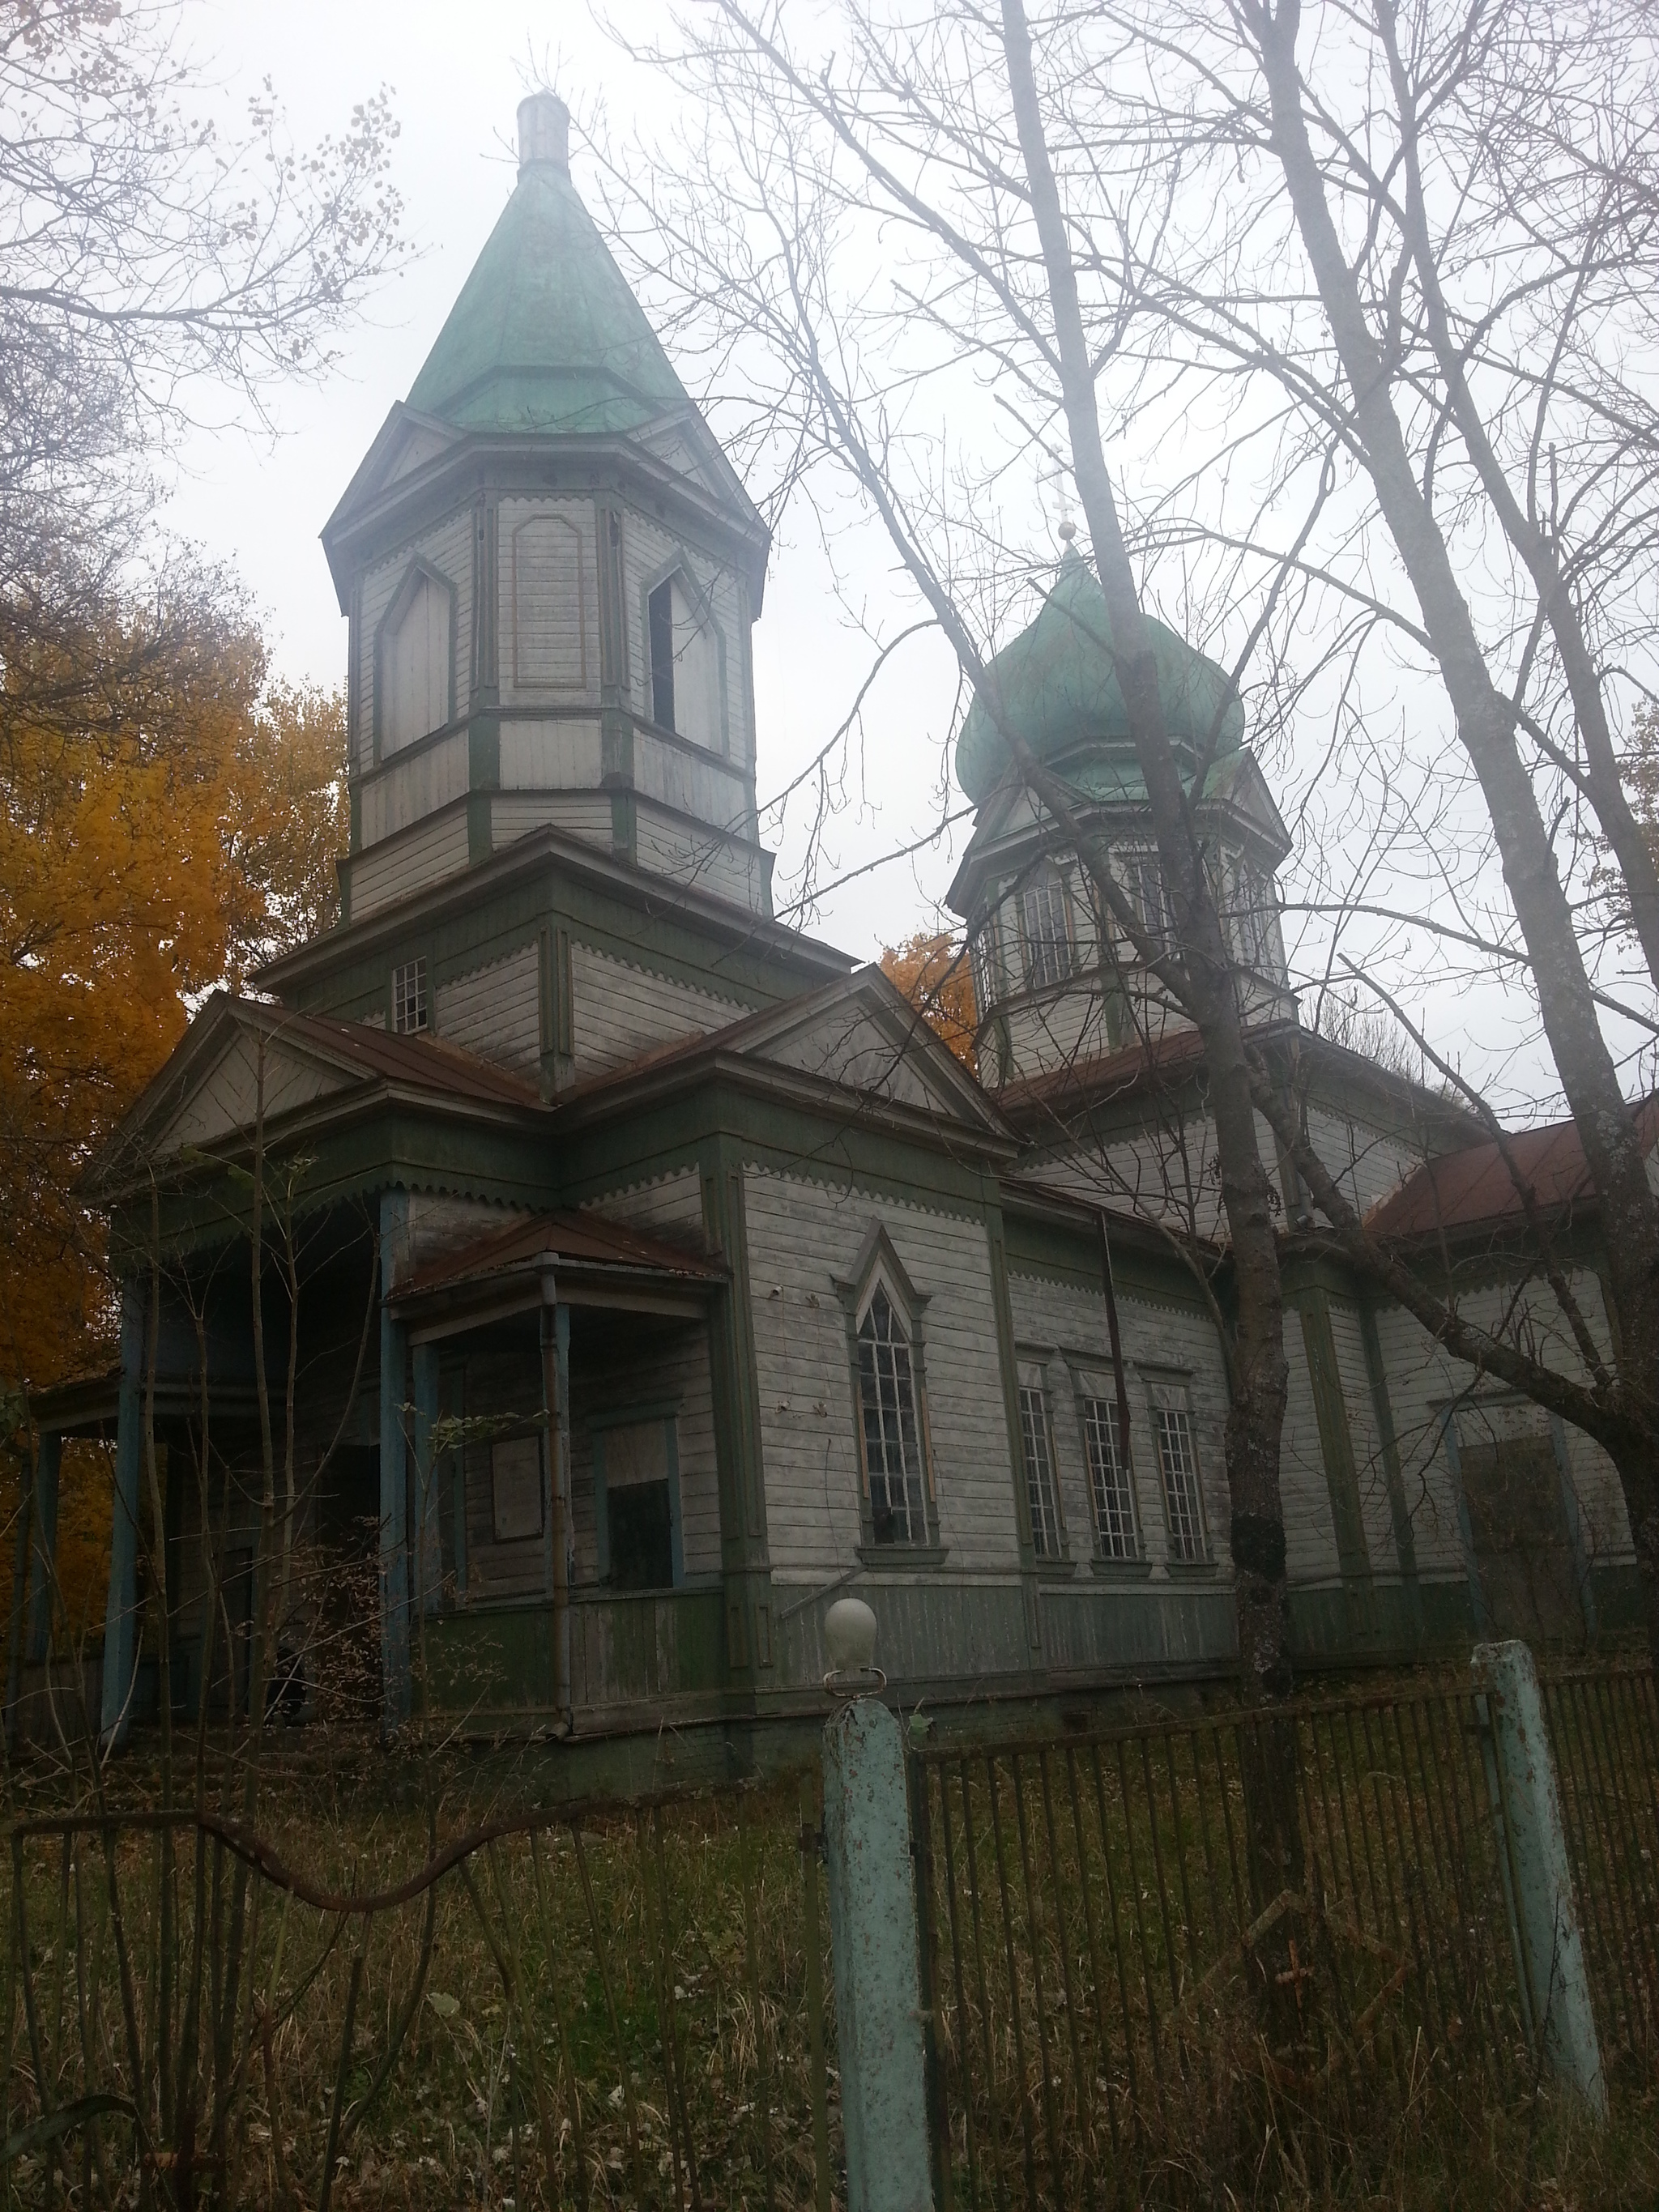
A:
[(660, 610), (1177, 1462), (1150, 896), (1108, 1481), (409, 1001), (1039, 1472), (1045, 917)]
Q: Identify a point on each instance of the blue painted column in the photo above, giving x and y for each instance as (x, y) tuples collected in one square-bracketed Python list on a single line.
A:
[(872, 1932), (428, 1550), (1548, 1934), (43, 1550), (394, 1474), (121, 1614)]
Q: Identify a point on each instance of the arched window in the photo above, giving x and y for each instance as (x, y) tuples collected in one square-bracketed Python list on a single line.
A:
[(414, 660), (891, 1424)]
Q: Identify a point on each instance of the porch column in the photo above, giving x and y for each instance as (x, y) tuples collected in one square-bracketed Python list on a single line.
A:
[(43, 1550), (121, 1614), (20, 1649), (394, 1475), (428, 1550), (555, 1492)]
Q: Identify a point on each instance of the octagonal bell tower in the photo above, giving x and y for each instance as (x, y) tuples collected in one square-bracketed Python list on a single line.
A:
[(550, 572)]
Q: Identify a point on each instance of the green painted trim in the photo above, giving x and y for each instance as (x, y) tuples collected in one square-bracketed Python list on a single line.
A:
[(625, 827), (484, 753), (1008, 1364), (615, 750), (1405, 1537), (480, 833), (1341, 1471)]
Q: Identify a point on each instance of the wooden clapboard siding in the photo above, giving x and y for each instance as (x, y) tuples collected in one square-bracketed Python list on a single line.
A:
[(549, 623), (622, 1011), (581, 814), (550, 756), (447, 546), (802, 1236), (715, 790), (670, 1206), (1313, 1554), (934, 1629), (669, 846), (1369, 1163), (433, 849), (407, 788), (1092, 1626), (495, 1011), (1052, 1033)]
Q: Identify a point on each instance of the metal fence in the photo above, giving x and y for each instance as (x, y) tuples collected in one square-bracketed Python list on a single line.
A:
[(1604, 1731), (587, 2005), (1098, 1965)]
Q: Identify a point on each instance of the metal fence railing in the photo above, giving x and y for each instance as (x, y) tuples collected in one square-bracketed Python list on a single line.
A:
[(1604, 1731), (586, 2004), (1109, 1990)]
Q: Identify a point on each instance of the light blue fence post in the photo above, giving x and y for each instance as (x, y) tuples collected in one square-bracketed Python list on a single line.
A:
[(1546, 1922), (872, 1934)]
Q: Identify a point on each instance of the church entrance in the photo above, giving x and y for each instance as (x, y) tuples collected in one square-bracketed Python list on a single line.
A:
[(1521, 1526)]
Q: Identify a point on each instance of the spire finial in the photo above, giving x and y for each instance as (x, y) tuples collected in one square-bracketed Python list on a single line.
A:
[(1067, 533), (544, 131)]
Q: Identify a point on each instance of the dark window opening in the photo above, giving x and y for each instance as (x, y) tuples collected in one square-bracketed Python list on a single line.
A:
[(642, 1539), (660, 608)]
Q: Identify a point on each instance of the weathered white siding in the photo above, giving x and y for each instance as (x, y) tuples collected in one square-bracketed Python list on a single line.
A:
[(801, 1236), (550, 756), (495, 1011), (622, 1012), (228, 1095), (404, 790), (669, 1207), (715, 790), (579, 814), (426, 854), (670, 847)]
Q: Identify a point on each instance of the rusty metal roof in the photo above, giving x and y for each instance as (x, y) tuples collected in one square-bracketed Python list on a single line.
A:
[(1483, 1184), (553, 1242)]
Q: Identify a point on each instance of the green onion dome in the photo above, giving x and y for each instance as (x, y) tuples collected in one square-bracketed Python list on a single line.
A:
[(1060, 691)]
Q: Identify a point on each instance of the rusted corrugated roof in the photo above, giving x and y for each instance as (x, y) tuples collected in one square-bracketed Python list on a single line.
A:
[(555, 1240), (423, 1059), (1483, 1184)]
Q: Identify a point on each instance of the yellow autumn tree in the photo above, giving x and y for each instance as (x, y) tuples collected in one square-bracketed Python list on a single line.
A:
[(933, 971), (164, 822)]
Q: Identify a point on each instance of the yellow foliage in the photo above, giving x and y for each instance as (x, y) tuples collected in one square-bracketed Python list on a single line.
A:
[(163, 822), (934, 974)]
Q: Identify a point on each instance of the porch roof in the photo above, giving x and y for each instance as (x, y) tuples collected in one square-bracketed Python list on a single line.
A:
[(564, 1259)]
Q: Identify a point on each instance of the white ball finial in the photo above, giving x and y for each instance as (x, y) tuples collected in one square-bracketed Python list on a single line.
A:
[(849, 1635), (1067, 533)]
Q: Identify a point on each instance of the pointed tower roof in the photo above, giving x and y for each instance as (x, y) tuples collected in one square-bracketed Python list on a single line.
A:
[(546, 336)]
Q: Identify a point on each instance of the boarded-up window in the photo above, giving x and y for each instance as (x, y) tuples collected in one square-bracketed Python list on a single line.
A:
[(549, 606), (515, 1470), (415, 661)]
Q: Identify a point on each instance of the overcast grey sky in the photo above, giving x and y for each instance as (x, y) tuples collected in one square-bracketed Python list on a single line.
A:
[(458, 74)]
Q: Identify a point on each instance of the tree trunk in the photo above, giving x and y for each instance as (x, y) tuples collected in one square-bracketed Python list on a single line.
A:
[(1256, 1417), (1629, 1210)]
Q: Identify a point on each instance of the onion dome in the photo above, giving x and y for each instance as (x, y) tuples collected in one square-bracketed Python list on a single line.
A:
[(1059, 690)]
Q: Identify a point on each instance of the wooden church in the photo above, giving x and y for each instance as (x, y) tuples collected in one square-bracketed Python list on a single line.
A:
[(639, 1274)]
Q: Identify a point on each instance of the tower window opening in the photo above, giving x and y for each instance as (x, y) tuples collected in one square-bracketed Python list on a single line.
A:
[(1150, 893), (660, 608), (408, 999), (1045, 917)]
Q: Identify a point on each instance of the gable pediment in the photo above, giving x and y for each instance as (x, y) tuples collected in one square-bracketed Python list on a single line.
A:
[(863, 1036), (224, 1097)]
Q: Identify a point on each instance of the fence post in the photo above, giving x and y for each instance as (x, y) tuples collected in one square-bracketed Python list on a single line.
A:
[(1550, 1940), (872, 1935)]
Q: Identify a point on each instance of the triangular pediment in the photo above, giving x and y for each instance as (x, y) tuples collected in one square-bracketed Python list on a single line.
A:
[(226, 1099), (865, 1037)]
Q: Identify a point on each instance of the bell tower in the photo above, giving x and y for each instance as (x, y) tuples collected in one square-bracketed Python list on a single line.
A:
[(550, 571)]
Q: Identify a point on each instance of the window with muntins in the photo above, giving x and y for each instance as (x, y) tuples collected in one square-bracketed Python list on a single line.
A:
[(1046, 1536), (1177, 1463), (1150, 893), (890, 1425), (408, 999), (1109, 1489), (1046, 920)]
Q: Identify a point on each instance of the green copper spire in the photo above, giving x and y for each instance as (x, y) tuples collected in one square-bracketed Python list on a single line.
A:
[(546, 336), (1060, 692)]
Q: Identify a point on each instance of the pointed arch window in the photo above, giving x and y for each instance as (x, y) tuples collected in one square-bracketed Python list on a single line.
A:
[(897, 1501), (415, 660), (1045, 915)]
